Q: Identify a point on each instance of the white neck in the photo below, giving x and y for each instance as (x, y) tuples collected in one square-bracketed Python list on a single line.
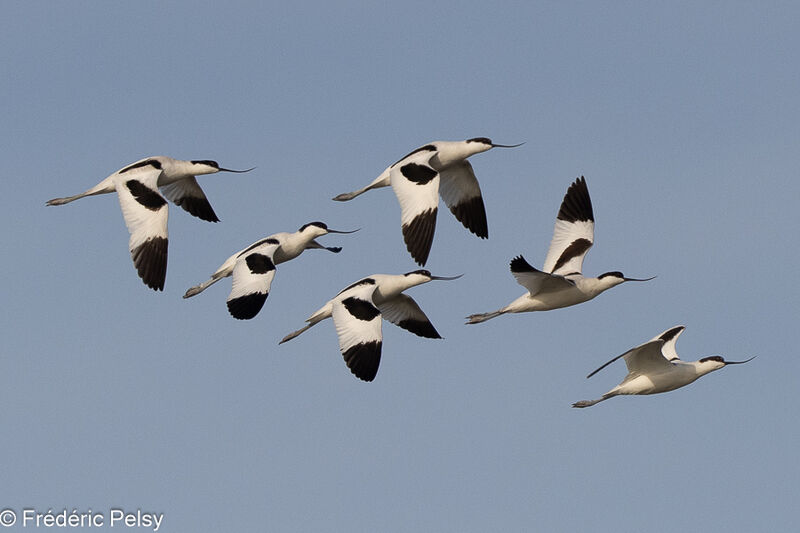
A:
[(390, 286), (292, 245)]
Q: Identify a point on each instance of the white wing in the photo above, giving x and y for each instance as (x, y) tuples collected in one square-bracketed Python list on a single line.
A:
[(145, 213), (535, 280), (187, 194), (416, 185), (573, 234), (358, 325), (461, 192), (404, 312), (645, 358), (252, 278)]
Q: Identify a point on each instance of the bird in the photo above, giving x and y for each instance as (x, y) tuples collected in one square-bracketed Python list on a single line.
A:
[(145, 209), (254, 267), (357, 311), (437, 168), (654, 367), (560, 283)]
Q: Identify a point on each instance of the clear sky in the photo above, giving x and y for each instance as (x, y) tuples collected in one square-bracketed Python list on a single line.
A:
[(683, 117)]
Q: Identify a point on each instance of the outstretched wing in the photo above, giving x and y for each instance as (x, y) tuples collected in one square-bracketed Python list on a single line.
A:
[(462, 194), (416, 185), (358, 326), (670, 338), (535, 280), (188, 195), (645, 358), (252, 278), (404, 312), (573, 234), (145, 213)]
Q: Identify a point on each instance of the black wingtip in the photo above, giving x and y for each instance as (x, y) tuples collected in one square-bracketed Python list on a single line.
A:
[(472, 214), (150, 260), (519, 264), (577, 205), (247, 306), (421, 328), (364, 359), (418, 235), (199, 207)]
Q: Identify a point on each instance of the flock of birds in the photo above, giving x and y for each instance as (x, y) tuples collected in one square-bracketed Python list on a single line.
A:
[(418, 179)]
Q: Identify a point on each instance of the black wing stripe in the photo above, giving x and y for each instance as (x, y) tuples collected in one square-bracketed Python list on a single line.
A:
[(259, 263), (360, 309), (146, 196), (426, 148), (576, 248), (268, 240), (419, 174), (365, 281), (147, 162)]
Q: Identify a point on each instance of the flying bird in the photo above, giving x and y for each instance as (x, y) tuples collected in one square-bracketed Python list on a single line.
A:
[(254, 267), (561, 283), (438, 168), (654, 367), (357, 312), (145, 209)]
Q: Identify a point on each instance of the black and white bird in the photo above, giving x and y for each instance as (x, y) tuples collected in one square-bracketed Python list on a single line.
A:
[(561, 283), (438, 168), (254, 267), (145, 209), (357, 312), (654, 367)]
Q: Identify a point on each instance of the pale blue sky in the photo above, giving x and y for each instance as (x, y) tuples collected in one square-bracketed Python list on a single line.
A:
[(684, 119)]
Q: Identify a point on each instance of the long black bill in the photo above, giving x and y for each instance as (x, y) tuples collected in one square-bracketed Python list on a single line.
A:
[(506, 145), (236, 171), (444, 278), (340, 231), (739, 362), (639, 279)]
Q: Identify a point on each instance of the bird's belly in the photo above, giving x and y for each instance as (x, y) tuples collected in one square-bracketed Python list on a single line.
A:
[(670, 381), (556, 299), (639, 385)]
